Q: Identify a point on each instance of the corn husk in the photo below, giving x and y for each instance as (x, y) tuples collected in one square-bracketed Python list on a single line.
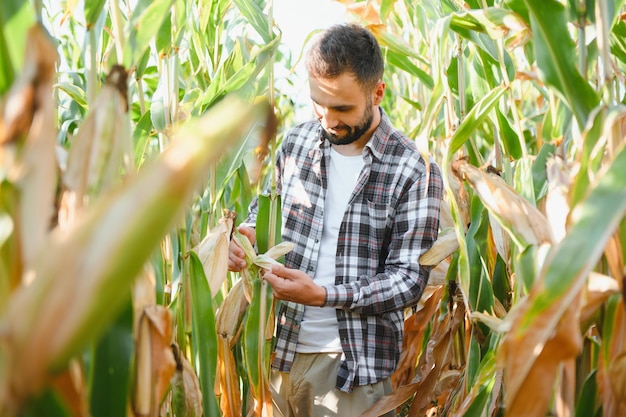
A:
[(444, 246), (186, 392), (154, 361), (212, 251)]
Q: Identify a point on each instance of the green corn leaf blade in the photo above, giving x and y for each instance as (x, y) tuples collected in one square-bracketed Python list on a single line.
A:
[(164, 36), (481, 292), (510, 139), (204, 334), (268, 224), (256, 347), (111, 358), (141, 138), (93, 9), (49, 404), (402, 61), (16, 17), (611, 327), (146, 22), (600, 127), (474, 119), (75, 92), (157, 106), (556, 57), (253, 13), (540, 177), (586, 401)]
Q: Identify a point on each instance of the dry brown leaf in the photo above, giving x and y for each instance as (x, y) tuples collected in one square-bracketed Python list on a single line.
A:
[(229, 395), (432, 364), (530, 370), (27, 148), (527, 224), (72, 387), (614, 256), (414, 330), (154, 361), (599, 288)]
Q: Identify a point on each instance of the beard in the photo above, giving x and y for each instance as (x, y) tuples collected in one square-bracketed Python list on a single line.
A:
[(353, 133)]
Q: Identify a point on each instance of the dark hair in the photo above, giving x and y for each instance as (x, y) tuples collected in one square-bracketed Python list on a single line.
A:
[(346, 48)]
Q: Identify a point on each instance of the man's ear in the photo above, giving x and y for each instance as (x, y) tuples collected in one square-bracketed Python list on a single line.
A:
[(379, 93)]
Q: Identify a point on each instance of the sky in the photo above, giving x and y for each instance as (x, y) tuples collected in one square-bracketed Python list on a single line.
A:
[(297, 19)]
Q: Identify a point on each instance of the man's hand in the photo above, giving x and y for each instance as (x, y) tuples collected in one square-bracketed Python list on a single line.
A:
[(294, 285), (236, 255)]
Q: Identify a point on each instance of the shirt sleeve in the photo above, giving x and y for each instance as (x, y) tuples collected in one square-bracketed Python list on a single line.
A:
[(401, 284)]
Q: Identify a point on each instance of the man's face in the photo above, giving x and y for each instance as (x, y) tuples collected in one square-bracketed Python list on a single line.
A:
[(345, 111)]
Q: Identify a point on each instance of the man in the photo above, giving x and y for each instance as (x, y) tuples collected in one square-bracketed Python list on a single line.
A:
[(361, 205)]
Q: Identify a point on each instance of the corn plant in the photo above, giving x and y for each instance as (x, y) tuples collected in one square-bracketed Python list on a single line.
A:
[(523, 111)]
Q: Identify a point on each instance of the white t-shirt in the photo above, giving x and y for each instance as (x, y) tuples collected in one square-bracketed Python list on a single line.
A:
[(319, 331)]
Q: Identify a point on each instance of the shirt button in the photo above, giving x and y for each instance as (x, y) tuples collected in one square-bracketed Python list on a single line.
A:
[(317, 241)]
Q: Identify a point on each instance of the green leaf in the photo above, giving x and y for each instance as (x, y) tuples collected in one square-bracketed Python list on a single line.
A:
[(75, 92), (257, 348), (111, 365), (204, 334), (556, 57), (403, 62), (93, 9), (510, 140), (146, 21), (474, 119), (16, 17), (253, 13), (47, 404), (586, 401), (264, 222)]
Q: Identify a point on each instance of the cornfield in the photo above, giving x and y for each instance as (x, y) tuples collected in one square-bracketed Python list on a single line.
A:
[(134, 134)]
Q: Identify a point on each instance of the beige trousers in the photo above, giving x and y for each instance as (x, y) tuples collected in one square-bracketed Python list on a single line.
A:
[(308, 389)]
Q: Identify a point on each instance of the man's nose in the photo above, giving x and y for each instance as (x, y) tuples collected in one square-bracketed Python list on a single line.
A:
[(328, 118)]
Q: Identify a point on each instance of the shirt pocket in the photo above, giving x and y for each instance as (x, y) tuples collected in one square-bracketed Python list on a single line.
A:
[(378, 223)]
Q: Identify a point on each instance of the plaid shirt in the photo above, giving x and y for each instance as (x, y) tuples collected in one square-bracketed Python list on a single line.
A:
[(392, 218)]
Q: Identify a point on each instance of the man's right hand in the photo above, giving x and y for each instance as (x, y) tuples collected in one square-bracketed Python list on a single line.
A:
[(236, 255)]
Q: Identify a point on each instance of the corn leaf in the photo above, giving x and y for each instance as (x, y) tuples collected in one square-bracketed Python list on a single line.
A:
[(92, 11), (110, 366), (556, 57), (267, 225), (146, 22), (593, 222), (205, 335), (16, 17), (78, 264)]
